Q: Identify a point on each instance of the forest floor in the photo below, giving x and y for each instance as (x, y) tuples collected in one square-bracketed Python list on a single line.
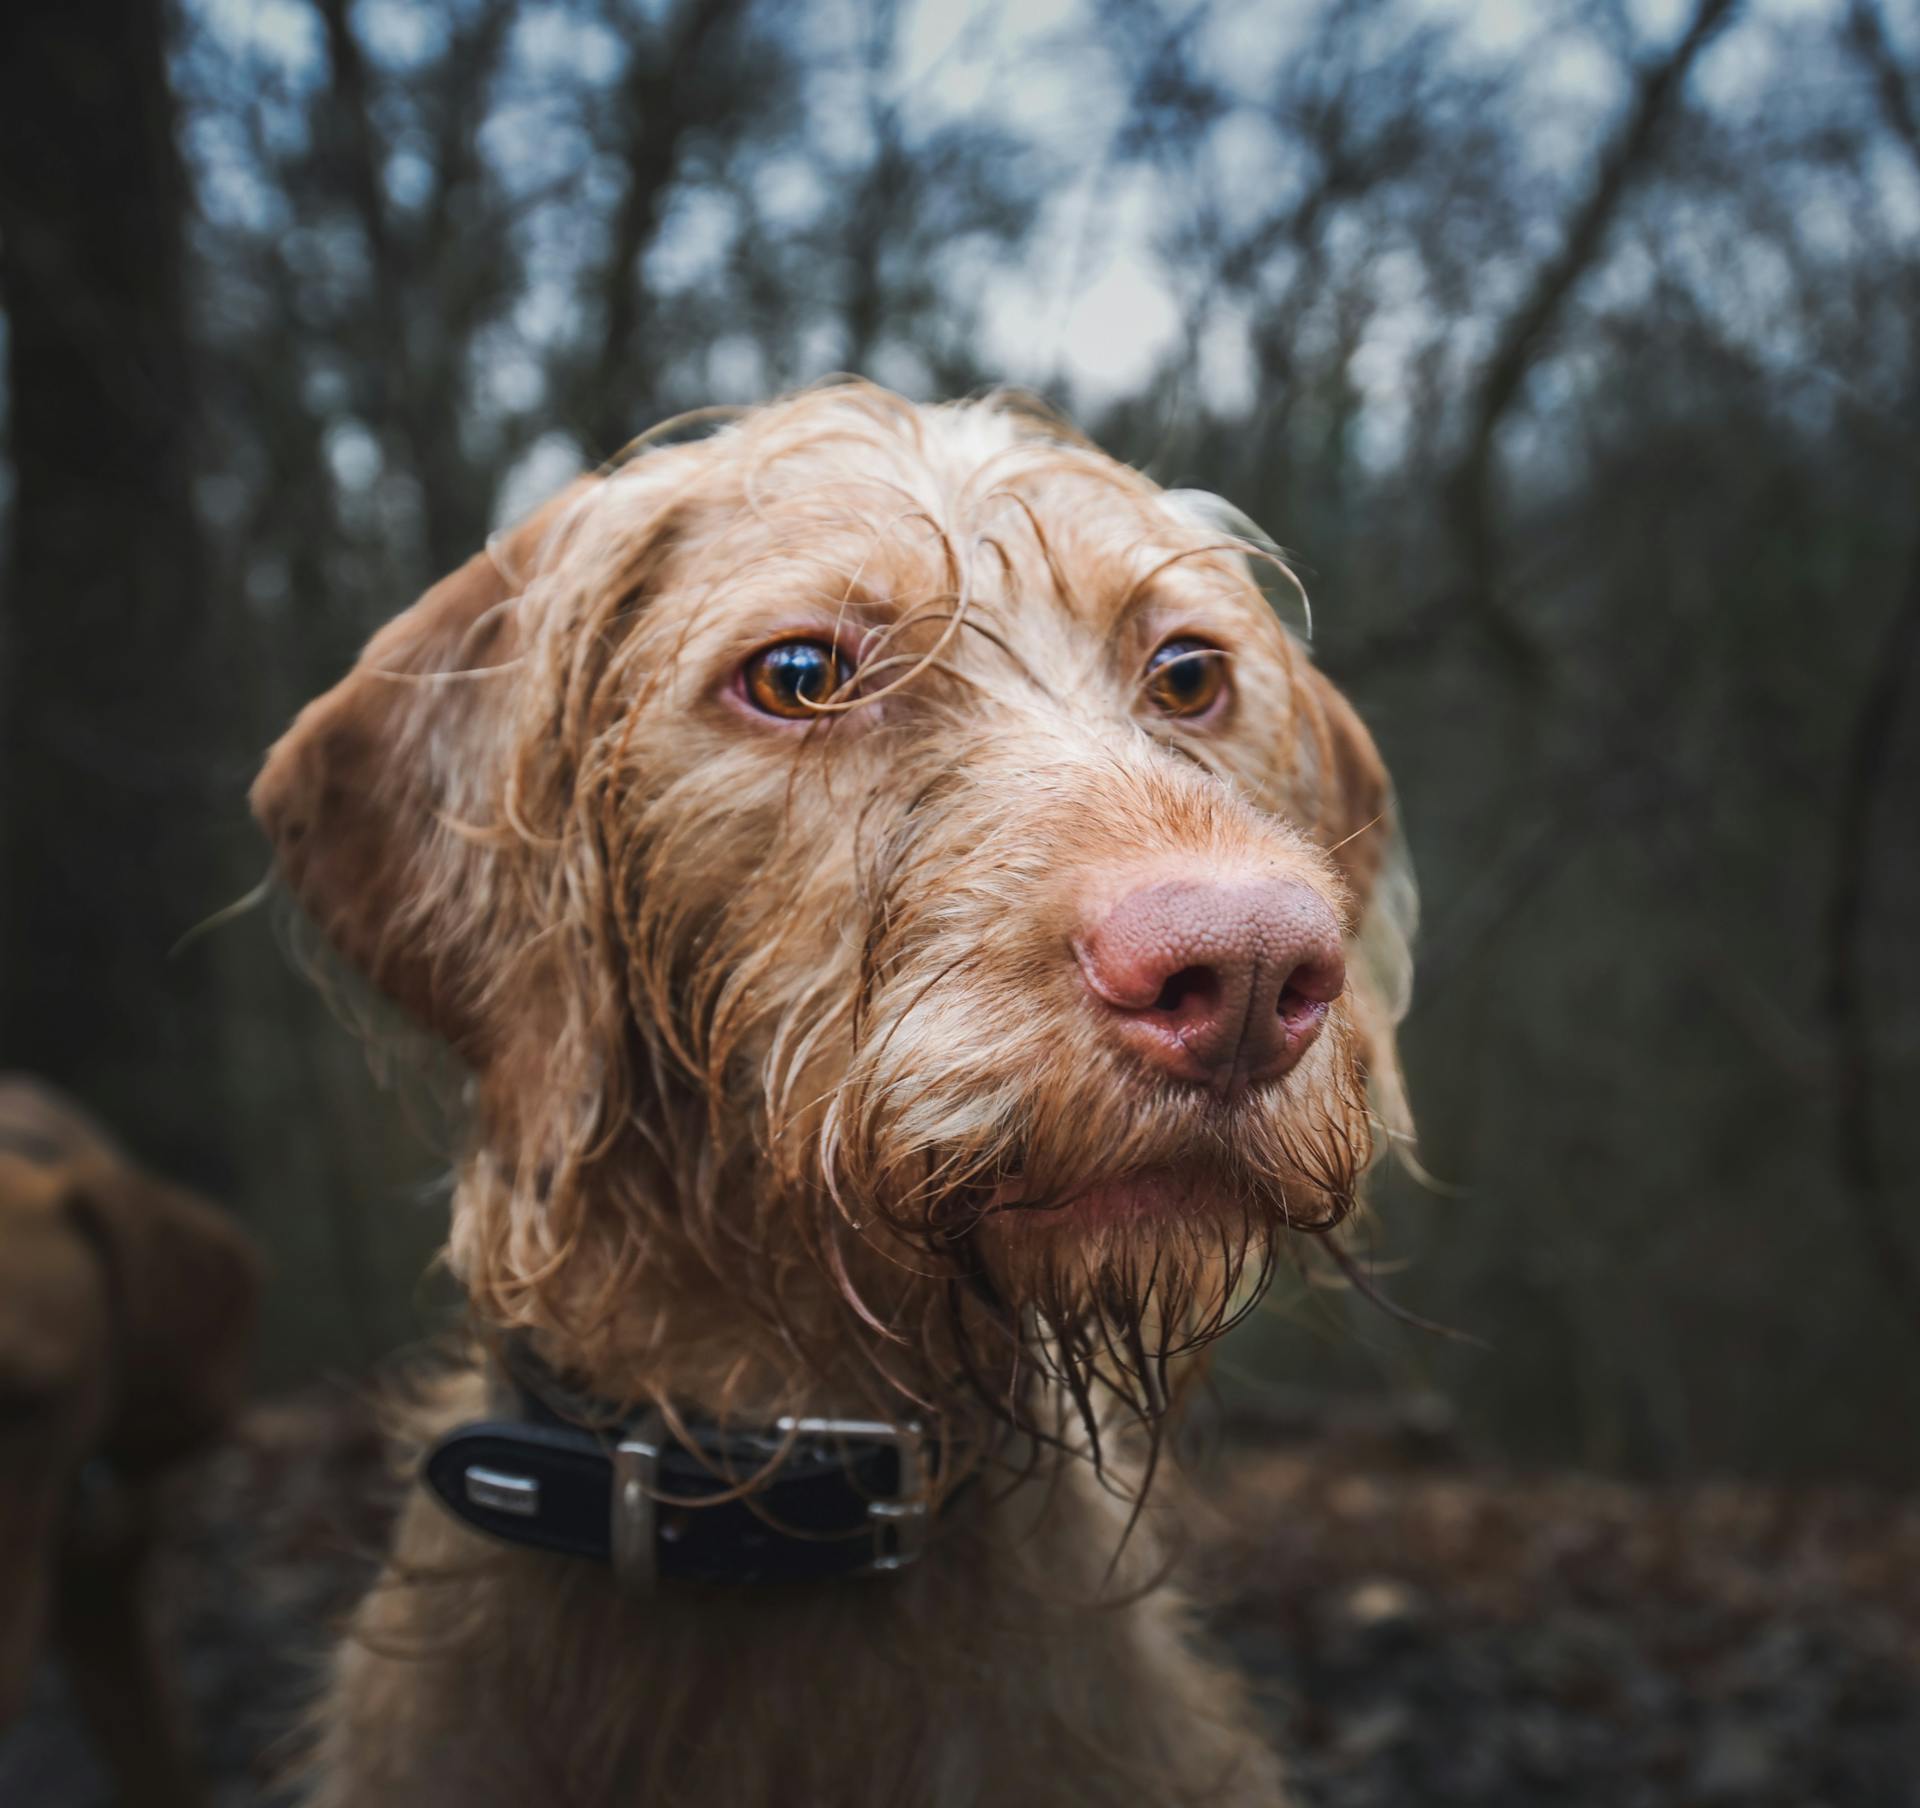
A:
[(1422, 1632)]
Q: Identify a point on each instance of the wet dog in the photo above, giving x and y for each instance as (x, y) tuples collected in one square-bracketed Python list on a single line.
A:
[(922, 936)]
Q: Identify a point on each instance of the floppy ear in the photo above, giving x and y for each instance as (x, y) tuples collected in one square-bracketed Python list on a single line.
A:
[(1357, 824), (363, 797), (183, 1286), (1354, 794)]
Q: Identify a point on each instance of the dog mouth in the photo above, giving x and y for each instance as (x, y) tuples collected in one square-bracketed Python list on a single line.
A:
[(1150, 1196)]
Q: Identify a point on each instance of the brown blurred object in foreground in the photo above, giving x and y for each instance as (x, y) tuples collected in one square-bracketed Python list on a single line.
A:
[(127, 1309)]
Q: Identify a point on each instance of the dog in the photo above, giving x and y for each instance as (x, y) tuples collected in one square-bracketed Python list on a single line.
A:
[(922, 938), (127, 1308)]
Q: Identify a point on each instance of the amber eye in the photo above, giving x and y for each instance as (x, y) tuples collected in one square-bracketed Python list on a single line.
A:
[(794, 677), (1185, 677)]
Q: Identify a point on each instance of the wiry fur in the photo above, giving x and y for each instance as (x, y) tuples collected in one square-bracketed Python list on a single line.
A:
[(787, 1095)]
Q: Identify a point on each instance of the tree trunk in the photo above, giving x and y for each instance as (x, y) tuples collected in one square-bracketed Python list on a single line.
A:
[(110, 701)]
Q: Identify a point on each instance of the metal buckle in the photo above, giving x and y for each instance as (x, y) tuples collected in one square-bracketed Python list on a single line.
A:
[(900, 1523), (636, 1473)]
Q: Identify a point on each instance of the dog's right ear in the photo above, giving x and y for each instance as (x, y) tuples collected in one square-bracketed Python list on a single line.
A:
[(365, 795)]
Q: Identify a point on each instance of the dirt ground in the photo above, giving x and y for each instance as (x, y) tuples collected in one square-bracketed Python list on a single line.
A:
[(1423, 1632), (1447, 1636)]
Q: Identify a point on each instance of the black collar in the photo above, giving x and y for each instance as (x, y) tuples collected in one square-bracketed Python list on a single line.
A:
[(802, 1500)]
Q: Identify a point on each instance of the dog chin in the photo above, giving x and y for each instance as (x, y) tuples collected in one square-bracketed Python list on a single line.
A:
[(1152, 1197)]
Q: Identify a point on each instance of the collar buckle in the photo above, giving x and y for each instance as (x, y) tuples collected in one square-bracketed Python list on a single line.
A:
[(900, 1520)]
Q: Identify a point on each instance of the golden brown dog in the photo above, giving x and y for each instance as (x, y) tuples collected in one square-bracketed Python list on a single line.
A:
[(126, 1316), (922, 936)]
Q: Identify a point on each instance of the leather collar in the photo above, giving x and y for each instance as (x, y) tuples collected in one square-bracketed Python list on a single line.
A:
[(801, 1500)]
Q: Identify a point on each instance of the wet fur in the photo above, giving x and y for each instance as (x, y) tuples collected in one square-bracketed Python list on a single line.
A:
[(784, 1088)]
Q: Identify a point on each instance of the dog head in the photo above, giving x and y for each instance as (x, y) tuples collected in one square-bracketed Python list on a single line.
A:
[(126, 1309), (914, 914)]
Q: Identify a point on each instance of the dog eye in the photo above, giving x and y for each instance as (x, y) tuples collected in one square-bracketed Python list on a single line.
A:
[(792, 678), (1185, 677)]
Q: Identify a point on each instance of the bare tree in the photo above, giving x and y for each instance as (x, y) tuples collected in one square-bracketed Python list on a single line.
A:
[(1883, 705), (114, 652)]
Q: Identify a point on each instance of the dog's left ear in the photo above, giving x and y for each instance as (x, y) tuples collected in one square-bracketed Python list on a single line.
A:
[(1354, 797), (365, 798), (1355, 822), (183, 1288)]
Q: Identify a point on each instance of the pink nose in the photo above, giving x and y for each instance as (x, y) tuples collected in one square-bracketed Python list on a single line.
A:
[(1224, 984)]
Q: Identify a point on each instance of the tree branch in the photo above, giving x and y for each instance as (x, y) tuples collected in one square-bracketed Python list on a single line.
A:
[(660, 100), (1856, 1116), (1868, 33), (1468, 492)]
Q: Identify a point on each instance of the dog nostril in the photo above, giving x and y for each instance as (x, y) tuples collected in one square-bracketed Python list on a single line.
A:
[(1313, 983), (1200, 984), (1295, 1006)]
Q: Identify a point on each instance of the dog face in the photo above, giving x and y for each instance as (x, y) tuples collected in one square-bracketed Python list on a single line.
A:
[(899, 887)]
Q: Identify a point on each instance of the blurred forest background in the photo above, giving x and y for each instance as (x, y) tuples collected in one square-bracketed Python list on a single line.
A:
[(1572, 348)]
